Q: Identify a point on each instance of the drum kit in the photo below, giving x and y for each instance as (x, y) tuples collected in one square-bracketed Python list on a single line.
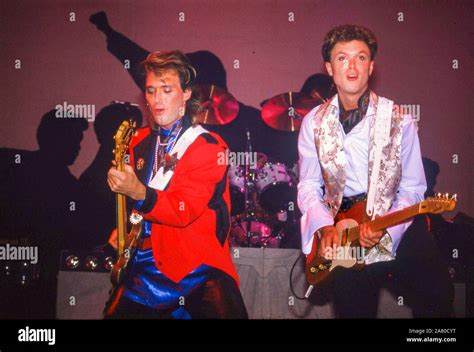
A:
[(263, 191)]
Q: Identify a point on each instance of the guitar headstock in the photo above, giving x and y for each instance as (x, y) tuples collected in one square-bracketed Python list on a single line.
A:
[(438, 204), (123, 138)]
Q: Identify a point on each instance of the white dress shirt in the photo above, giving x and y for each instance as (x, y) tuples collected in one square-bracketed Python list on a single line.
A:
[(356, 147)]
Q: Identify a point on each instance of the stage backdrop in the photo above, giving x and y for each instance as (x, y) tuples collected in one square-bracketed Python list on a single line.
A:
[(52, 53)]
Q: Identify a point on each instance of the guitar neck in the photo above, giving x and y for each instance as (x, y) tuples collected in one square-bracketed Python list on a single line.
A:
[(388, 220), (121, 216)]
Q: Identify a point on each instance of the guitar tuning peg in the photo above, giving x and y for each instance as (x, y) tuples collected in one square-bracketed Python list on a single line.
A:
[(438, 194), (446, 196), (454, 197)]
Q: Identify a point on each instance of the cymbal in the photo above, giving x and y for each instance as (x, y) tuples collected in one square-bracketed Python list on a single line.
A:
[(285, 111), (219, 107)]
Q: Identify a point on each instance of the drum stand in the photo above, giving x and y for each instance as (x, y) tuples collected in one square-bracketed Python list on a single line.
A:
[(249, 205)]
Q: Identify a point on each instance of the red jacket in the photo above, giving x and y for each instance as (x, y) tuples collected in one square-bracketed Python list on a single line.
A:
[(191, 217)]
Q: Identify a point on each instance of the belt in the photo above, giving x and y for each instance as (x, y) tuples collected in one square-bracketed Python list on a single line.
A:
[(348, 202)]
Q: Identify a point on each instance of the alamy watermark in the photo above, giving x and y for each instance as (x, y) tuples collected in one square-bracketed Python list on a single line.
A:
[(414, 110), (37, 335), (237, 158), (344, 253), (69, 111), (23, 253)]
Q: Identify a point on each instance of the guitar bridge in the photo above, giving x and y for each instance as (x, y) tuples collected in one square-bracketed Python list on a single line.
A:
[(320, 267)]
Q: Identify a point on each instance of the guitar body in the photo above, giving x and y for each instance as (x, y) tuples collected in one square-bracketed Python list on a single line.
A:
[(119, 269), (127, 243), (345, 258), (320, 270), (356, 212)]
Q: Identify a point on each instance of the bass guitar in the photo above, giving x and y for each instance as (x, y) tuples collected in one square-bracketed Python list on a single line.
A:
[(127, 242)]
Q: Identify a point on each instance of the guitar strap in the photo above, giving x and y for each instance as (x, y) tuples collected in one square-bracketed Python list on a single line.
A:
[(383, 121)]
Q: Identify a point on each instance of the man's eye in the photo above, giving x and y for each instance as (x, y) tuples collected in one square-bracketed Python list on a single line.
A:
[(341, 58), (362, 57), (167, 90), (150, 90)]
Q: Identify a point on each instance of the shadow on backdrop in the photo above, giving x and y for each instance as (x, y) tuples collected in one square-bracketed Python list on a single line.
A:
[(100, 201), (41, 205)]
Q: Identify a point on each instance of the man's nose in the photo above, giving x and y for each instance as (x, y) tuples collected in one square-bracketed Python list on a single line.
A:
[(352, 63), (157, 98)]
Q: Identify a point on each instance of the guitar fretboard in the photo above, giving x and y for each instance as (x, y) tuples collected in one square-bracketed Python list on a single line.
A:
[(388, 220), (121, 216)]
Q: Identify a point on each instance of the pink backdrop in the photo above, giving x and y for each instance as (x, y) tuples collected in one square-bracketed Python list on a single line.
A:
[(68, 61)]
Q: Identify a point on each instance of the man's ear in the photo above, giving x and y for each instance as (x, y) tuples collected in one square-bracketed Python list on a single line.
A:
[(371, 68), (187, 94), (328, 68)]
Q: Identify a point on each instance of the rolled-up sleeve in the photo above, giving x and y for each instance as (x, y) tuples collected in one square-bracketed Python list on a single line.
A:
[(314, 213)]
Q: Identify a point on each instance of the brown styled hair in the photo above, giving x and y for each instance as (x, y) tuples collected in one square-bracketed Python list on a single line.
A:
[(347, 33)]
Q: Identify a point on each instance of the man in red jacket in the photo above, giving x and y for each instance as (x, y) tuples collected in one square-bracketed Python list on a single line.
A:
[(183, 268)]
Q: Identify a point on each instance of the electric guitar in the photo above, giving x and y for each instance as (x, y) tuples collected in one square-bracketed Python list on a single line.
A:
[(127, 243), (319, 269)]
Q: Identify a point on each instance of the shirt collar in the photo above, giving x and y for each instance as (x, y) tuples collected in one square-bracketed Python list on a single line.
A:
[(370, 109), (185, 122)]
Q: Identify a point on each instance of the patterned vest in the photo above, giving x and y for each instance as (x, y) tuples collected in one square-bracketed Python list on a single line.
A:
[(328, 138)]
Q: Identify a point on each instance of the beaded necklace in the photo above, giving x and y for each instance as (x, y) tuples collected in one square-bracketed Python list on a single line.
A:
[(162, 148)]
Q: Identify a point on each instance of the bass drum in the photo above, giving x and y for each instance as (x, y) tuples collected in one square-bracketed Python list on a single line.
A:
[(275, 186), (260, 232)]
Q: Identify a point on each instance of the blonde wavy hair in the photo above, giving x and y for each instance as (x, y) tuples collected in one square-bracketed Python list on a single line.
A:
[(159, 62)]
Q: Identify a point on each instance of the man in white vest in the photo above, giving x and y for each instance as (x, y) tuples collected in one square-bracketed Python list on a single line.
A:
[(358, 147)]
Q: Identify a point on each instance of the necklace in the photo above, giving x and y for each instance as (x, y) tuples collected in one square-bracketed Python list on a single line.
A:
[(160, 150)]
